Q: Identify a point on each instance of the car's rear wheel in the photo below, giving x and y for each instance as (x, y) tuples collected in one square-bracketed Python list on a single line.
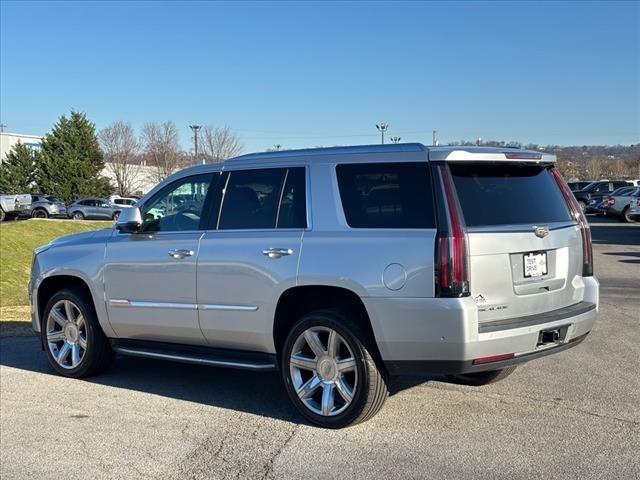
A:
[(74, 342), (626, 215), (329, 371), (2, 215), (39, 213), (77, 216), (482, 378)]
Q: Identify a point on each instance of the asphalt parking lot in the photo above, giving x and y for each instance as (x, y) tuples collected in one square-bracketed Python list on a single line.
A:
[(572, 415)]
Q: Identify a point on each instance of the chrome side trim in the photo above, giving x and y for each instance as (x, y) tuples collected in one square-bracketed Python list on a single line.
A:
[(117, 302), (194, 360), (239, 308), (140, 304)]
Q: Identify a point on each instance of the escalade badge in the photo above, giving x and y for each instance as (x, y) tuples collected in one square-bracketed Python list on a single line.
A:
[(541, 232)]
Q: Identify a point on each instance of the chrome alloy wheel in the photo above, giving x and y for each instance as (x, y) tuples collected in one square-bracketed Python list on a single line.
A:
[(66, 334), (323, 371)]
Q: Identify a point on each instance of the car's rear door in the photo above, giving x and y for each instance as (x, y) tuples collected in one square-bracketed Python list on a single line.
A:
[(525, 251)]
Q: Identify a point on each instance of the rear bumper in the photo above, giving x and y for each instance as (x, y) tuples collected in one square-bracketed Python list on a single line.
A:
[(418, 336), (452, 367)]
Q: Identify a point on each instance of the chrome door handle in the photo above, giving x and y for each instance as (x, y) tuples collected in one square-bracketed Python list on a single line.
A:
[(277, 252), (177, 254)]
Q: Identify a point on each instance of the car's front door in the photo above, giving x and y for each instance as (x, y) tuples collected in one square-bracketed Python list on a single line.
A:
[(250, 255), (150, 277)]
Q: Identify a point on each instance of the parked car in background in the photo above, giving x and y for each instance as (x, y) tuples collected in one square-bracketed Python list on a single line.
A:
[(416, 260), (618, 204), (45, 206), (591, 195), (93, 209), (12, 206), (634, 207), (124, 202), (575, 186)]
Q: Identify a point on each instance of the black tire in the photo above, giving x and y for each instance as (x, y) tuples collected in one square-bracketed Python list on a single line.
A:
[(626, 215), (481, 378), (2, 215), (39, 213), (77, 216), (98, 354), (371, 387)]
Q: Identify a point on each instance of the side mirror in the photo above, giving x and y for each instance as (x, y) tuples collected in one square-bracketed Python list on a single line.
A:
[(129, 220)]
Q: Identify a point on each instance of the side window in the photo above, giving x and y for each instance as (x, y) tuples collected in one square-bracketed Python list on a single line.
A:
[(87, 203), (293, 205), (386, 195), (178, 206), (251, 199), (102, 204)]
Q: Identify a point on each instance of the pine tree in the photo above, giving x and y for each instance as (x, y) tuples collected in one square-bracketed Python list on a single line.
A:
[(17, 171), (70, 161)]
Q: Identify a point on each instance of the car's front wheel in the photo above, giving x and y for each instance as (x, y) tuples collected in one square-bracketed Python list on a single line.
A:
[(329, 371), (74, 342), (39, 213)]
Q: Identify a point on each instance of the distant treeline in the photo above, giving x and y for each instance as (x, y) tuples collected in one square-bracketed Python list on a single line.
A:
[(587, 162)]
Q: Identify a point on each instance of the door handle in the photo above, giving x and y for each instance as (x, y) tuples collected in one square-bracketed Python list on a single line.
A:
[(277, 252), (177, 254)]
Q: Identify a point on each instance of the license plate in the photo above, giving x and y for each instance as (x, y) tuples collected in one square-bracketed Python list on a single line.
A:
[(535, 264)]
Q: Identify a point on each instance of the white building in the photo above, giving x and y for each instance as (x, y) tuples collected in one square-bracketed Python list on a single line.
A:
[(8, 140), (142, 182)]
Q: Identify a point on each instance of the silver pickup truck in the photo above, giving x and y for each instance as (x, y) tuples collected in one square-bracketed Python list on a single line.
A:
[(14, 205)]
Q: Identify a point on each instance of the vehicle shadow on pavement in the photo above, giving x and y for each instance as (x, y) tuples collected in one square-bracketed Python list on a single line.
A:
[(606, 231), (636, 256), (258, 393)]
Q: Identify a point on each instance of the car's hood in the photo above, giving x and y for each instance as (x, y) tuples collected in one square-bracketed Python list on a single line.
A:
[(90, 236)]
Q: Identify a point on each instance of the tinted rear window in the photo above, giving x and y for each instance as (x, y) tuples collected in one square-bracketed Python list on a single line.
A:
[(508, 195), (386, 195)]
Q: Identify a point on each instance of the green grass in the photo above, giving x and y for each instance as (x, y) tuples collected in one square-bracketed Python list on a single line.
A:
[(17, 241)]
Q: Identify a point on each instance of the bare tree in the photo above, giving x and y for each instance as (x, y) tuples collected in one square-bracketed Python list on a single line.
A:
[(595, 168), (120, 147), (161, 148), (220, 143)]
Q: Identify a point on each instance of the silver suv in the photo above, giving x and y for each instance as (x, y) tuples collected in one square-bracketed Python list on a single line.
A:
[(341, 267)]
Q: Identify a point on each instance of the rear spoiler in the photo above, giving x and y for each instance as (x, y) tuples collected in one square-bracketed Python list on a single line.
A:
[(483, 154)]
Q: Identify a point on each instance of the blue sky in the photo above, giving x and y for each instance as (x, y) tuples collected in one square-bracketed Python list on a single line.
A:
[(310, 74)]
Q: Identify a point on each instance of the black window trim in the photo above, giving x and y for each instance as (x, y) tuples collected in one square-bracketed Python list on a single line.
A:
[(215, 225)]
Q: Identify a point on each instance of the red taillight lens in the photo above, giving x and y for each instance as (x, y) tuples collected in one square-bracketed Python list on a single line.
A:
[(611, 201), (452, 270), (493, 358), (578, 215)]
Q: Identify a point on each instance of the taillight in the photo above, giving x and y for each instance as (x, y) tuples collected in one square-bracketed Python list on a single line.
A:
[(578, 215), (611, 201), (452, 257)]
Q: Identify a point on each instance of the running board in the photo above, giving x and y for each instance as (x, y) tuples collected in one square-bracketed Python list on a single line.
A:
[(215, 357)]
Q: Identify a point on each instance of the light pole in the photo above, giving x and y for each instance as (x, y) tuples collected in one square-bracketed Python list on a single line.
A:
[(435, 138), (395, 139), (382, 127), (195, 129)]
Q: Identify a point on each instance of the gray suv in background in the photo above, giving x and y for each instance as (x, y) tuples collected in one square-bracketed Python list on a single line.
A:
[(93, 209), (340, 267), (45, 206)]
